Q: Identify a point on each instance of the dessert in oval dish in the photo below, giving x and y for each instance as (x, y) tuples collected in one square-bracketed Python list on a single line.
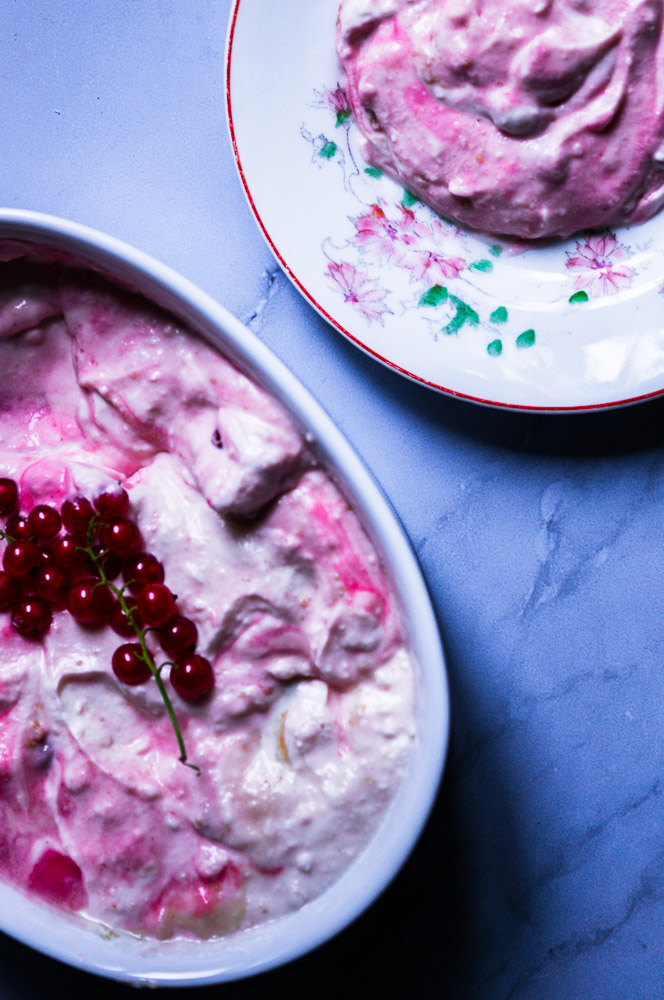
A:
[(299, 729), (535, 118)]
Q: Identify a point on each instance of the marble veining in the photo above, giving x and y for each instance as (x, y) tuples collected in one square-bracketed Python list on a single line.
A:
[(541, 873)]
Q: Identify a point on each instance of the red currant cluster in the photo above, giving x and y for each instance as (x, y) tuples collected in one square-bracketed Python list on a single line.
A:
[(45, 569)]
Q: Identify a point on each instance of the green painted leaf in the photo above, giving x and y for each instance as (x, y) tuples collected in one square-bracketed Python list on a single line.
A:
[(342, 116), (464, 314), (481, 265), (526, 339), (579, 297), (496, 250), (409, 200), (434, 297), (373, 171), (499, 315), (470, 316), (495, 348), (454, 325), (328, 150)]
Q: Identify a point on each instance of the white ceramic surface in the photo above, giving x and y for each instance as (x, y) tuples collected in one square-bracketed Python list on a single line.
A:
[(93, 947), (577, 324)]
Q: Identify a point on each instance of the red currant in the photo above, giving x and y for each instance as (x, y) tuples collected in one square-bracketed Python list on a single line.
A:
[(31, 617), (156, 605), (192, 676), (45, 558), (112, 503), (8, 497), (90, 602), (52, 583), (10, 591), (120, 623), (17, 526), (20, 558), (67, 551), (109, 562), (179, 637), (128, 664), (44, 522), (121, 537), (76, 515), (140, 569)]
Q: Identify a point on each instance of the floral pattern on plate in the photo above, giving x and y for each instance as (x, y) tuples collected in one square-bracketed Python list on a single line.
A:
[(570, 324), (442, 264)]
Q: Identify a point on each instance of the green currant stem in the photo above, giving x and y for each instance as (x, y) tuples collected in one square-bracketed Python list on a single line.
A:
[(140, 635)]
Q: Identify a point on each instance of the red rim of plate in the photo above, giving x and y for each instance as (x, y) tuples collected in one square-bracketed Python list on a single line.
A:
[(346, 333)]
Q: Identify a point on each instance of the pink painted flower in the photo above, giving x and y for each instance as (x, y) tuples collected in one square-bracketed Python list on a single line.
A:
[(337, 101), (441, 232), (426, 257), (598, 263), (434, 267), (383, 239), (358, 289)]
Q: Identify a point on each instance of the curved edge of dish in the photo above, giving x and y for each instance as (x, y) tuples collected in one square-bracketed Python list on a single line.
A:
[(587, 407), (258, 949)]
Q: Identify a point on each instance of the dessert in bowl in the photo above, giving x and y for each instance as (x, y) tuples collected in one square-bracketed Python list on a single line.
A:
[(225, 794)]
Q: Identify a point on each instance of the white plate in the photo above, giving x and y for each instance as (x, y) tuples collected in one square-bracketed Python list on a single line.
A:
[(575, 325), (191, 962)]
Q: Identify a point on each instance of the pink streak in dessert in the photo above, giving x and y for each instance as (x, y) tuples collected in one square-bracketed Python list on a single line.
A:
[(534, 118), (307, 733)]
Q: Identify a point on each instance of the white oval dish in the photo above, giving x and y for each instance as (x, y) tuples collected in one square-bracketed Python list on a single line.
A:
[(182, 962), (568, 325)]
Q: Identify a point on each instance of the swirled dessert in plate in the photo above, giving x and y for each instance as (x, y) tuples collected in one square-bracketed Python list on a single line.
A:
[(542, 324), (534, 119)]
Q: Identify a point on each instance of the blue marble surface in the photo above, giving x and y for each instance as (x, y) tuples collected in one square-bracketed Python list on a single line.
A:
[(541, 873)]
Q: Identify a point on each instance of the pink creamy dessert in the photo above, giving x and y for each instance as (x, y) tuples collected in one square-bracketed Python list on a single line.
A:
[(306, 735), (534, 118)]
